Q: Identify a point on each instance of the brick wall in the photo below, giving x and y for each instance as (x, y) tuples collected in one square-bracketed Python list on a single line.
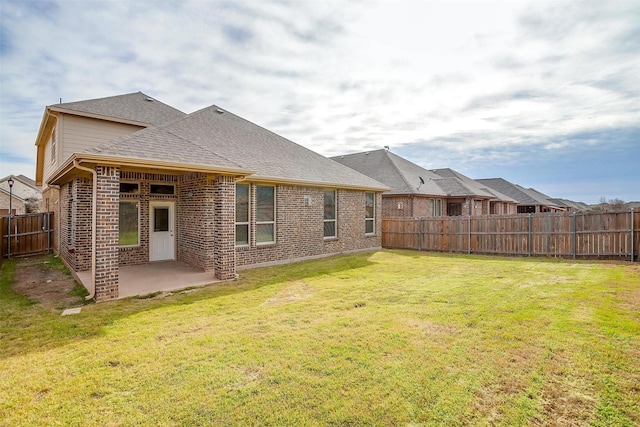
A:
[(224, 227), (107, 254), (82, 222), (195, 221), (299, 228)]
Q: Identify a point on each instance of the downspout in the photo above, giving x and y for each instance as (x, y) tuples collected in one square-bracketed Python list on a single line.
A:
[(94, 221)]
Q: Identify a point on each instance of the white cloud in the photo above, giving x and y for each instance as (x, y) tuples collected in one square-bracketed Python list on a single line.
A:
[(463, 81)]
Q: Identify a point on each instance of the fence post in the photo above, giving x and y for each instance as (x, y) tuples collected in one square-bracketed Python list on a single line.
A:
[(469, 234), (48, 232), (575, 237), (633, 226), (419, 234), (529, 238)]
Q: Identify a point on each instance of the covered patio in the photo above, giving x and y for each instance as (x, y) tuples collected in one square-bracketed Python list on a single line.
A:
[(153, 277)]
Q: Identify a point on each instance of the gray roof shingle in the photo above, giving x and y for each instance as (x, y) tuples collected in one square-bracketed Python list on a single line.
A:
[(214, 137), (524, 196), (136, 107), (404, 176)]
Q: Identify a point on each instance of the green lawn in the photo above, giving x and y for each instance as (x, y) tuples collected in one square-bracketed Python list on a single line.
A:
[(385, 338)]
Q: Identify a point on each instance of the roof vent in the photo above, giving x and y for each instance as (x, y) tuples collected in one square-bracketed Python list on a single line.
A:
[(148, 98), (219, 111)]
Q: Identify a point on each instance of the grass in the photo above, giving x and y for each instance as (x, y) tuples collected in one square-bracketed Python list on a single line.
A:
[(385, 338)]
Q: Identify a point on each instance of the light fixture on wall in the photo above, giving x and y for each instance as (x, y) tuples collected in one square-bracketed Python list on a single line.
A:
[(307, 200)]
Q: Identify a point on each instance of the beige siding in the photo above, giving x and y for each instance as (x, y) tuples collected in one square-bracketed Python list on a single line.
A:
[(50, 166), (81, 133)]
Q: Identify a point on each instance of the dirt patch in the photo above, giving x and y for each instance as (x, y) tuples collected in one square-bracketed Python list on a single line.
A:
[(38, 279), (432, 328), (291, 292)]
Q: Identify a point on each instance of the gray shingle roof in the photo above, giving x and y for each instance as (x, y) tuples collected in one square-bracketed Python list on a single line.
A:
[(213, 137), (404, 176), (401, 175), (524, 196), (473, 186), (136, 107)]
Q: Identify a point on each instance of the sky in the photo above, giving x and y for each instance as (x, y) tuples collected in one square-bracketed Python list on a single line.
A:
[(543, 94)]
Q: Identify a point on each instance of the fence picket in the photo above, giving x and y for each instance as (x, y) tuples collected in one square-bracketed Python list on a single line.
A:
[(607, 235)]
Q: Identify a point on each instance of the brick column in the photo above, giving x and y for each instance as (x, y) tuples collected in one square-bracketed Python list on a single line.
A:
[(225, 227), (107, 224)]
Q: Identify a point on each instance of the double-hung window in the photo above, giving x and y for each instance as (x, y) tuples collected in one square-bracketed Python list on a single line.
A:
[(265, 213), (436, 207), (330, 217), (242, 214), (370, 213)]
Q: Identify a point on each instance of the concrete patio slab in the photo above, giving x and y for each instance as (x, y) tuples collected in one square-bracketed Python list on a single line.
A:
[(154, 277)]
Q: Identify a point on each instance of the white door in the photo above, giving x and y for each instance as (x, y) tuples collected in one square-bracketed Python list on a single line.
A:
[(161, 227)]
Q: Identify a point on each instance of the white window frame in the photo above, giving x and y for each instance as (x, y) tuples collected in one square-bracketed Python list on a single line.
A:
[(335, 215), (371, 219), (54, 141), (248, 221), (272, 222)]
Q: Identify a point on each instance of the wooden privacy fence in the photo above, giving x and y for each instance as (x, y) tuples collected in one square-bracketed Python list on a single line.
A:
[(29, 234), (608, 235)]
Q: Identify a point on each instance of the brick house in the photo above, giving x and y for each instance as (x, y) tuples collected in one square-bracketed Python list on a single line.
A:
[(26, 196), (418, 192), (135, 181), (528, 200)]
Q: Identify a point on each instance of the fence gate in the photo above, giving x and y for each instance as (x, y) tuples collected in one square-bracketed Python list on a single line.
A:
[(29, 234)]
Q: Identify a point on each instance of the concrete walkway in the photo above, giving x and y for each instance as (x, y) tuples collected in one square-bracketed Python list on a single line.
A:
[(153, 277)]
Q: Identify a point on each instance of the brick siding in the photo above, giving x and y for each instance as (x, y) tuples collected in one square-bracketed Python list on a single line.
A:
[(299, 228), (107, 253)]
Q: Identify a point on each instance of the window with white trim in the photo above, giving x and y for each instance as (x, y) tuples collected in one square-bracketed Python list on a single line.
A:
[(54, 140), (436, 207), (242, 214), (265, 214), (370, 213), (330, 213)]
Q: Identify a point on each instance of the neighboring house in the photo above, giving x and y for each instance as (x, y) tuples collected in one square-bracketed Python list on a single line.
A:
[(500, 204), (18, 204), (529, 200), (570, 205), (137, 181), (418, 192), (26, 195)]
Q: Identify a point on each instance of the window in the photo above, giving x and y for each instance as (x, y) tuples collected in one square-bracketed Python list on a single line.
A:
[(129, 188), (162, 189), (54, 138), (242, 214), (129, 220), (265, 214), (454, 209), (370, 215), (330, 213), (436, 207)]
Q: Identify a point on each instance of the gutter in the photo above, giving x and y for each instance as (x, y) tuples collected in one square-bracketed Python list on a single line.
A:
[(94, 221)]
